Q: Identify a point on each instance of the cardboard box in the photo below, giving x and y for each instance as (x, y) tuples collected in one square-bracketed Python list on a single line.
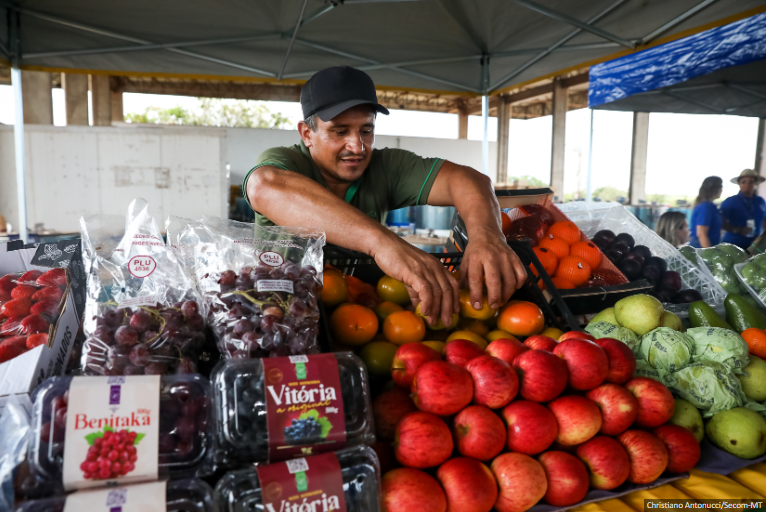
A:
[(22, 374)]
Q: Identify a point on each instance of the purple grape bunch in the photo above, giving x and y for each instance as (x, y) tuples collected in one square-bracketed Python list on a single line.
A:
[(267, 311), (154, 340)]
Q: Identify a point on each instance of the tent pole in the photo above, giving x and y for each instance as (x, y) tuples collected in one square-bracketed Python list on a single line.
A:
[(292, 40), (18, 128), (589, 189), (485, 115)]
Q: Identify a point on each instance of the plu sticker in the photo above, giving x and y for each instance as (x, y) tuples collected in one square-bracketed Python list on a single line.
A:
[(134, 498), (314, 484), (112, 431)]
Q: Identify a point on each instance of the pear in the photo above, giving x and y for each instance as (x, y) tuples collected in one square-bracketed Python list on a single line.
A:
[(687, 416), (753, 379), (606, 315), (739, 431), (639, 313), (672, 321)]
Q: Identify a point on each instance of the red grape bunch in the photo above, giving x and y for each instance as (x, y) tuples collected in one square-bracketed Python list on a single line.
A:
[(110, 456), (251, 323)]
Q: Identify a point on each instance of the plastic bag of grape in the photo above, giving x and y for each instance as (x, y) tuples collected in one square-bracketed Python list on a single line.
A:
[(143, 313), (261, 287)]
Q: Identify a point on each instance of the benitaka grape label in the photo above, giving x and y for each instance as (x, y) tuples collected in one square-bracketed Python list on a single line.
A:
[(304, 406), (314, 484), (112, 431), (132, 498)]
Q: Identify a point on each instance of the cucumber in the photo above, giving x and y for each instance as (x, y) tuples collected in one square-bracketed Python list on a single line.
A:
[(741, 315), (702, 315)]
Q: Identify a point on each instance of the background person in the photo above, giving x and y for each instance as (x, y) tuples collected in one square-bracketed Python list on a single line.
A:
[(672, 226), (706, 219), (744, 213)]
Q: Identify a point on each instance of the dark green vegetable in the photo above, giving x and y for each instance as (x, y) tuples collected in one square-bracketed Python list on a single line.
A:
[(702, 315), (741, 314)]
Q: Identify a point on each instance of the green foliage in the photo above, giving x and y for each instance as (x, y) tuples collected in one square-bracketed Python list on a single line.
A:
[(533, 182), (609, 193), (215, 112)]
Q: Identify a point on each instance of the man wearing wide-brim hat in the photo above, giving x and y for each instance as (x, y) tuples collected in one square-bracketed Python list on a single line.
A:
[(743, 214)]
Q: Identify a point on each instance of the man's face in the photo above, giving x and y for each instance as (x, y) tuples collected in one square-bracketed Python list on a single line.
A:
[(747, 185), (342, 147)]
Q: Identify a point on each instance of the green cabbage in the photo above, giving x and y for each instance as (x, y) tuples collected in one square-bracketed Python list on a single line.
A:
[(607, 330), (666, 349), (714, 344), (710, 386)]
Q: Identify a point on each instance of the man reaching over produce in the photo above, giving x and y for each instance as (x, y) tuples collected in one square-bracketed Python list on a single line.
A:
[(336, 181)]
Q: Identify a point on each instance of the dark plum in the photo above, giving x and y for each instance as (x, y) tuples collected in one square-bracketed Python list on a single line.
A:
[(606, 236), (614, 255), (622, 247), (671, 281), (663, 295), (656, 261), (625, 238), (686, 296), (635, 257), (643, 250), (631, 268), (651, 274)]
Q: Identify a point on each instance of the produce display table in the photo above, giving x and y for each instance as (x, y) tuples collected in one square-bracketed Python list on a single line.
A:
[(749, 482)]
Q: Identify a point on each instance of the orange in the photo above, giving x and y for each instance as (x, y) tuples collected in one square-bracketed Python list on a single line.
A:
[(567, 231), (467, 335), (467, 310), (353, 325), (548, 258), (756, 341), (436, 345), (497, 335), (334, 288), (558, 246), (521, 319), (562, 284), (384, 309), (506, 223), (477, 326), (391, 290), (552, 332), (587, 251), (439, 324), (403, 327), (574, 269)]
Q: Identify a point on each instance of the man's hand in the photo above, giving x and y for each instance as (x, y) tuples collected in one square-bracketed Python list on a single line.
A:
[(490, 256), (427, 281)]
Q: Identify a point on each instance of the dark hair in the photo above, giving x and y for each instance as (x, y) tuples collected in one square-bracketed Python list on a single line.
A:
[(710, 186)]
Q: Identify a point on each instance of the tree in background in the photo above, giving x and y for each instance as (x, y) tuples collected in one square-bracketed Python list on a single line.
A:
[(215, 112), (531, 181), (609, 193)]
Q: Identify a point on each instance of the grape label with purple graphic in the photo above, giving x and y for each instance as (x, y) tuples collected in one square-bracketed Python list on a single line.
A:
[(135, 498)]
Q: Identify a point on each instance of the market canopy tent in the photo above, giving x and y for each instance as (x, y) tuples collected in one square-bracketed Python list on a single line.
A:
[(718, 71)]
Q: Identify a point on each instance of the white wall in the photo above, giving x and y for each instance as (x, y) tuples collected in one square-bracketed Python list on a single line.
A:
[(80, 170), (77, 170)]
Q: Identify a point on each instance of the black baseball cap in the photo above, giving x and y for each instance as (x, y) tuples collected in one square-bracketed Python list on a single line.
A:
[(333, 90)]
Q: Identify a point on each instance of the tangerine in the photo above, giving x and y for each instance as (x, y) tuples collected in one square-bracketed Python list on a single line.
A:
[(557, 246), (467, 335), (506, 223), (498, 334), (548, 258), (562, 284), (477, 326), (552, 332), (384, 309), (587, 251), (393, 290), (574, 269), (334, 288), (403, 327), (521, 319), (468, 311), (567, 231), (756, 341), (439, 324), (436, 345), (353, 325)]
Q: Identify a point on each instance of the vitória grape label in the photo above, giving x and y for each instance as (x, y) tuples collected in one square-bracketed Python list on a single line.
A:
[(313, 483), (304, 406)]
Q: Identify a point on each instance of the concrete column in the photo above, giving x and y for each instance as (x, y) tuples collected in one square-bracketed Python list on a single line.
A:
[(101, 98), (503, 132), (117, 109), (638, 153), (462, 124), (760, 155), (36, 97), (76, 98), (558, 136)]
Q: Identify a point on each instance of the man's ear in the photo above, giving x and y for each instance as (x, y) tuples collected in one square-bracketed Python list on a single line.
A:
[(305, 133)]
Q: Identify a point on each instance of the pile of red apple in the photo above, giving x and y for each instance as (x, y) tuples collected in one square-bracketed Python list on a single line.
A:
[(519, 423)]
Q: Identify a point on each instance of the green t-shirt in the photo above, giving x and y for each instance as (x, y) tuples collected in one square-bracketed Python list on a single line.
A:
[(394, 179)]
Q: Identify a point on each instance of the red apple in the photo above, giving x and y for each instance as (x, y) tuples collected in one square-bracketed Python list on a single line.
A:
[(388, 408), (470, 485), (522, 482), (540, 342), (682, 445), (478, 432), (619, 409), (587, 363), (442, 388), (406, 489), (408, 358), (495, 383), (622, 360), (577, 417), (607, 462), (655, 403), (460, 352), (647, 453), (506, 349), (567, 478), (576, 335), (422, 440), (531, 427), (542, 375)]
